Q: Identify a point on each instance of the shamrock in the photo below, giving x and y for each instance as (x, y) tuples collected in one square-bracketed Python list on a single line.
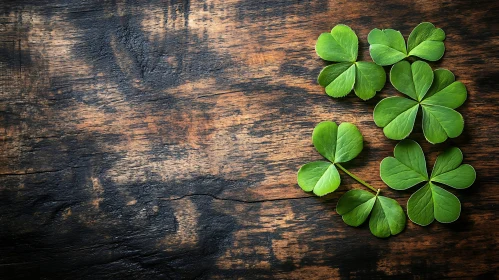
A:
[(337, 144), (436, 92), (387, 217), (388, 46), (341, 45), (408, 168), (340, 144)]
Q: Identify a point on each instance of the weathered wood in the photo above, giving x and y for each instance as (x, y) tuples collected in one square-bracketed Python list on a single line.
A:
[(160, 140)]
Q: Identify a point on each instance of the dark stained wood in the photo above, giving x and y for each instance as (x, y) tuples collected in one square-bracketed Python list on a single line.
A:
[(161, 140)]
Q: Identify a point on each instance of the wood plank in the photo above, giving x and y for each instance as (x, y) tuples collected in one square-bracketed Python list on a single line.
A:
[(161, 139)]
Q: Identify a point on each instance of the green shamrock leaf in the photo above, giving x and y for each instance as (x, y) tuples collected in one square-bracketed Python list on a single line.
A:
[(388, 46), (321, 177), (386, 216), (435, 92), (337, 144), (408, 168), (426, 42), (341, 45)]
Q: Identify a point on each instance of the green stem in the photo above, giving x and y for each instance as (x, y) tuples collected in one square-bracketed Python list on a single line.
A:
[(358, 179)]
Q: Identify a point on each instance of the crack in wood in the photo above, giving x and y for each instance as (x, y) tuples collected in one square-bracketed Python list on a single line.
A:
[(236, 200)]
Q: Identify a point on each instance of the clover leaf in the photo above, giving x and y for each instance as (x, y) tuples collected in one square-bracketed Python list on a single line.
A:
[(386, 216), (426, 42), (435, 92), (337, 144), (388, 46), (341, 45), (408, 168)]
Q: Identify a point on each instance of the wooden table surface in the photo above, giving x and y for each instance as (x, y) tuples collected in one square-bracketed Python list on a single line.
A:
[(161, 140)]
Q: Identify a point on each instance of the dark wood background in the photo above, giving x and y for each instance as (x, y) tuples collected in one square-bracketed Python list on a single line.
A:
[(161, 140)]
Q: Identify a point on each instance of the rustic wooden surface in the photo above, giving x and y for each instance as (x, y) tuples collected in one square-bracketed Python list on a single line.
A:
[(160, 140)]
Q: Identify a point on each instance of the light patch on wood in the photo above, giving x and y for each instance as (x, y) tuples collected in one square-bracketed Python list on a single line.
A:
[(266, 58), (55, 39), (311, 272), (97, 191), (289, 246), (131, 202), (427, 7), (201, 88), (96, 202), (67, 213), (96, 186), (397, 264), (216, 20), (154, 23), (121, 9), (186, 234), (241, 255), (125, 61)]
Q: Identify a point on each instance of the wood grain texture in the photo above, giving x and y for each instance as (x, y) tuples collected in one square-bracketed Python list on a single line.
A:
[(161, 140)]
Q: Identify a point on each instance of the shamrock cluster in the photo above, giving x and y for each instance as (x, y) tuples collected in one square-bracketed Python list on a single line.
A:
[(434, 92)]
